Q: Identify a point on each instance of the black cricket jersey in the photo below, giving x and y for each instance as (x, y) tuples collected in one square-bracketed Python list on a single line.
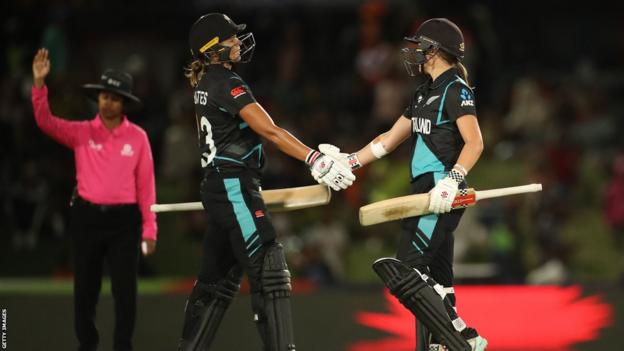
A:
[(433, 111), (226, 142)]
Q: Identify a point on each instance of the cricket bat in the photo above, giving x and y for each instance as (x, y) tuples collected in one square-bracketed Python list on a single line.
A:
[(418, 204), (277, 200)]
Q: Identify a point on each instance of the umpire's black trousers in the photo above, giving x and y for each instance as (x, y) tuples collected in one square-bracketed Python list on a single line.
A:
[(110, 234)]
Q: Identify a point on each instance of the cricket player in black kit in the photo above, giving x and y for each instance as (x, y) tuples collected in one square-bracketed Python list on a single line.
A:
[(240, 237), (441, 120)]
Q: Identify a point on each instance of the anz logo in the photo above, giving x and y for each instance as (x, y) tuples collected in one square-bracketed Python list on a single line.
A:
[(421, 125), (466, 98)]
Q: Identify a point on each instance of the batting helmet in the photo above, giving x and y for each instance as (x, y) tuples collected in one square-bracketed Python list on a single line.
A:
[(211, 29), (439, 33)]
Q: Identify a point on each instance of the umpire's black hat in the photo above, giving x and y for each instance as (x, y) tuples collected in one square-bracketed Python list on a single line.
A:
[(211, 29), (117, 82), (443, 32)]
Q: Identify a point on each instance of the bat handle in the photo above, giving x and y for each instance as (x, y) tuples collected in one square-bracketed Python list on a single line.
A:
[(184, 206), (487, 194)]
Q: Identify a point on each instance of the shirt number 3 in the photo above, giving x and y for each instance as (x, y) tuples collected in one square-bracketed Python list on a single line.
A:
[(209, 155)]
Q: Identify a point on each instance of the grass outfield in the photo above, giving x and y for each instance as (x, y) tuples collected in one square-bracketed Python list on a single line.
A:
[(44, 286), (40, 317)]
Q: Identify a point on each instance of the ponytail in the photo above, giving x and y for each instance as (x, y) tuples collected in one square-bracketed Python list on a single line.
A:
[(195, 71), (463, 72)]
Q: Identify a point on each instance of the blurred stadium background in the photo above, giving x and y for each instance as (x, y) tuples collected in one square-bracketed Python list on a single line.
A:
[(549, 80)]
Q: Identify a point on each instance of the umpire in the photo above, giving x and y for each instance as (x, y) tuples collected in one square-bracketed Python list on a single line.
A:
[(111, 208)]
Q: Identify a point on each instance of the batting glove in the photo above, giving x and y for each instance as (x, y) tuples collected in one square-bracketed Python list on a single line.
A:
[(327, 170), (442, 195), (348, 160)]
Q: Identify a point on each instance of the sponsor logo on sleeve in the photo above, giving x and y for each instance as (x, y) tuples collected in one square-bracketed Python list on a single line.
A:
[(238, 91), (466, 98)]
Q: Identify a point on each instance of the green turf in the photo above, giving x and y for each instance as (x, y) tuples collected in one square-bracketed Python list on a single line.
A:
[(44, 286)]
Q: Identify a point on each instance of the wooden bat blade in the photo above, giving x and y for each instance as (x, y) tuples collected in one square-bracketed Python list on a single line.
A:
[(395, 208), (408, 206), (289, 199), (418, 204), (277, 200)]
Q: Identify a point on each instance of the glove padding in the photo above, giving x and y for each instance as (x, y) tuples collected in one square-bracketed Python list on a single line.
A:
[(328, 170), (348, 160), (333, 151), (442, 195)]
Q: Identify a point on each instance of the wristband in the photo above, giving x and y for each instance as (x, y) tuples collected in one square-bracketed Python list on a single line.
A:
[(354, 161), (461, 169), (378, 149), (312, 156), (456, 176)]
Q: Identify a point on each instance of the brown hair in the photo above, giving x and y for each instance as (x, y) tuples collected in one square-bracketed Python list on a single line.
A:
[(194, 71), (463, 72)]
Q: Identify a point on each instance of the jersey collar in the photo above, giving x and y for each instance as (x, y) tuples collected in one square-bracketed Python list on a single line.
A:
[(122, 127), (443, 78)]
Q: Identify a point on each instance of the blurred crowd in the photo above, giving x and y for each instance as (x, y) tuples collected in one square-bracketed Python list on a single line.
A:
[(549, 109)]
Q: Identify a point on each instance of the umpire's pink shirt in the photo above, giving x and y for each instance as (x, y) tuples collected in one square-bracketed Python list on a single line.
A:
[(112, 166)]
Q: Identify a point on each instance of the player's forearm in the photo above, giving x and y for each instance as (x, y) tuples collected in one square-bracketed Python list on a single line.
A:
[(470, 154), (260, 121), (287, 143), (386, 142), (366, 154)]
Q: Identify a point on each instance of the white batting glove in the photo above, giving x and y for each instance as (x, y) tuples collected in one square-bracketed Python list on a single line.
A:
[(327, 170), (442, 195), (348, 160)]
